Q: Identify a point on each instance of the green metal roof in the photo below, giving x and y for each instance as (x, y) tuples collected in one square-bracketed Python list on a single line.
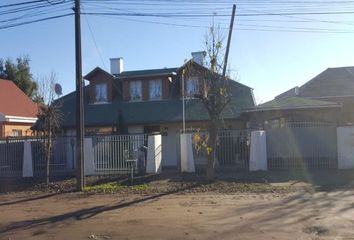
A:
[(333, 82), (152, 112), (292, 103)]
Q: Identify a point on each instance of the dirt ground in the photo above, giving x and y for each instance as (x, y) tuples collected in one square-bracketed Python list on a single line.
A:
[(299, 214)]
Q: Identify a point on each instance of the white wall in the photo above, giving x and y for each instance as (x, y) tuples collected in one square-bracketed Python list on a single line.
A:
[(187, 159), (169, 146), (345, 146), (258, 157), (27, 169), (154, 154)]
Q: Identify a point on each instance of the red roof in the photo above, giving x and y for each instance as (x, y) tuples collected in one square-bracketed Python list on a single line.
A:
[(14, 102)]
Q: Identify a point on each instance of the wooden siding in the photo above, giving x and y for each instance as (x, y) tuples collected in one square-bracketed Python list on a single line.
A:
[(98, 79), (166, 86)]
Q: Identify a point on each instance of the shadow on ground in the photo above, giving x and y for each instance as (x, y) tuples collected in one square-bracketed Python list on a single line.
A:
[(325, 180)]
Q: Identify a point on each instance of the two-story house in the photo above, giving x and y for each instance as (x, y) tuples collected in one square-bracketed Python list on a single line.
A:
[(17, 111), (148, 101)]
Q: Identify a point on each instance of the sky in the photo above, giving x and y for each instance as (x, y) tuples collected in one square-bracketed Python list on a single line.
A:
[(276, 44)]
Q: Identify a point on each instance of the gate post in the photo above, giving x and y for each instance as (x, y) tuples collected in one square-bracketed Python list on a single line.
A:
[(187, 159), (258, 158), (345, 143), (154, 153), (89, 165), (27, 167)]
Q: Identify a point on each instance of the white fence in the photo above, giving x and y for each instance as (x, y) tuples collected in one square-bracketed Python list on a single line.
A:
[(111, 152), (103, 155)]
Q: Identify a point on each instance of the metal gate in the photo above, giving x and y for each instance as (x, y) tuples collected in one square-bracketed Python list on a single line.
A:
[(302, 147), (110, 152), (233, 149)]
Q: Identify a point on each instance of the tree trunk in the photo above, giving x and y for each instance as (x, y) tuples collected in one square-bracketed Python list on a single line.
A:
[(48, 153), (210, 172)]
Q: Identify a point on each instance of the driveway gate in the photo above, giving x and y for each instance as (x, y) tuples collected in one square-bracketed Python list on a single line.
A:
[(302, 147), (233, 149)]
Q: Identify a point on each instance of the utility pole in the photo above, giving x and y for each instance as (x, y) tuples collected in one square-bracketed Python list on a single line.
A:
[(80, 178), (229, 40)]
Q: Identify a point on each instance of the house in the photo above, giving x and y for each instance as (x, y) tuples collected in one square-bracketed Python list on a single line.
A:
[(328, 97), (146, 101), (17, 111)]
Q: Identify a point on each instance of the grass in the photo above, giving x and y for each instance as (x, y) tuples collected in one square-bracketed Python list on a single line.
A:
[(114, 187)]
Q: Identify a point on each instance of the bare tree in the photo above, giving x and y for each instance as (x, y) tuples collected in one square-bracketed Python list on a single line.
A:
[(49, 117), (213, 91)]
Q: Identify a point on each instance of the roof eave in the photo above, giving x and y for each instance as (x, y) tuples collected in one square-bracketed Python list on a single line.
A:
[(292, 108), (147, 75)]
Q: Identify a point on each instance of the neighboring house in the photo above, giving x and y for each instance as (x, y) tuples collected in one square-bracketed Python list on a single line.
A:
[(17, 111), (147, 101), (328, 97)]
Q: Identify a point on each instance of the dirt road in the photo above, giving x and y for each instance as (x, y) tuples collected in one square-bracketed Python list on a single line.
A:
[(299, 215)]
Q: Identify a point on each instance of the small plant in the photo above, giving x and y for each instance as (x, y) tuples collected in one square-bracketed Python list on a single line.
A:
[(113, 187)]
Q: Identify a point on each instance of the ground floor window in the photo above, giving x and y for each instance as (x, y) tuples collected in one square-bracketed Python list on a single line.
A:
[(16, 132)]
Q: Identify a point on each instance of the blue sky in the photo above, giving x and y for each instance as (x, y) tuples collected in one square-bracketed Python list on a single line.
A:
[(268, 53)]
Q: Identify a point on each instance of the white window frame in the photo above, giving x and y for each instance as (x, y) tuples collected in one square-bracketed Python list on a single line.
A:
[(192, 89), (138, 84), (16, 132), (155, 86), (101, 89)]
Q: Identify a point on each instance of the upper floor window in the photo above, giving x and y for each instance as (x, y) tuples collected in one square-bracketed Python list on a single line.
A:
[(135, 91), (192, 87), (101, 92), (155, 89)]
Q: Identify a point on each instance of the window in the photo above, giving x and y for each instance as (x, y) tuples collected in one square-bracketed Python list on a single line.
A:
[(135, 91), (155, 87), (191, 87), (101, 92), (16, 132)]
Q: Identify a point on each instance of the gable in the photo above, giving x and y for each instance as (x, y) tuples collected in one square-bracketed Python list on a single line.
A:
[(13, 102), (333, 82)]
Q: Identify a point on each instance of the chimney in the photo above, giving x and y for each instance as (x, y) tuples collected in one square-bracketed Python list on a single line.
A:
[(198, 57), (117, 66)]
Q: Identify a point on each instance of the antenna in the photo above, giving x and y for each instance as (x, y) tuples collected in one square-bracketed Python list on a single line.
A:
[(58, 89)]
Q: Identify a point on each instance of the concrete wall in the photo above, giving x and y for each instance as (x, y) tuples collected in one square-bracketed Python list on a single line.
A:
[(258, 156), (154, 154), (187, 159), (27, 169), (345, 146), (169, 145)]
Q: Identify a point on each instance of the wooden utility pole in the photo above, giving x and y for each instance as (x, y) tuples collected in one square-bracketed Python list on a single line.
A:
[(229, 40), (80, 178)]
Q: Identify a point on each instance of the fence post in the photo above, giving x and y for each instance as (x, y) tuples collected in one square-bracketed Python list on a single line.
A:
[(70, 153), (345, 143), (153, 163), (258, 158), (27, 167), (88, 153), (187, 158)]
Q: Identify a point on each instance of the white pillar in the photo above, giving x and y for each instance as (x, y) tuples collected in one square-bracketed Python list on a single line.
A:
[(187, 158), (27, 167), (89, 165), (70, 153), (345, 147), (154, 154), (258, 158)]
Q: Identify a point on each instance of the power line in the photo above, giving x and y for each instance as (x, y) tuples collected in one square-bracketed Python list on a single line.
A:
[(94, 41), (34, 21), (21, 3)]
